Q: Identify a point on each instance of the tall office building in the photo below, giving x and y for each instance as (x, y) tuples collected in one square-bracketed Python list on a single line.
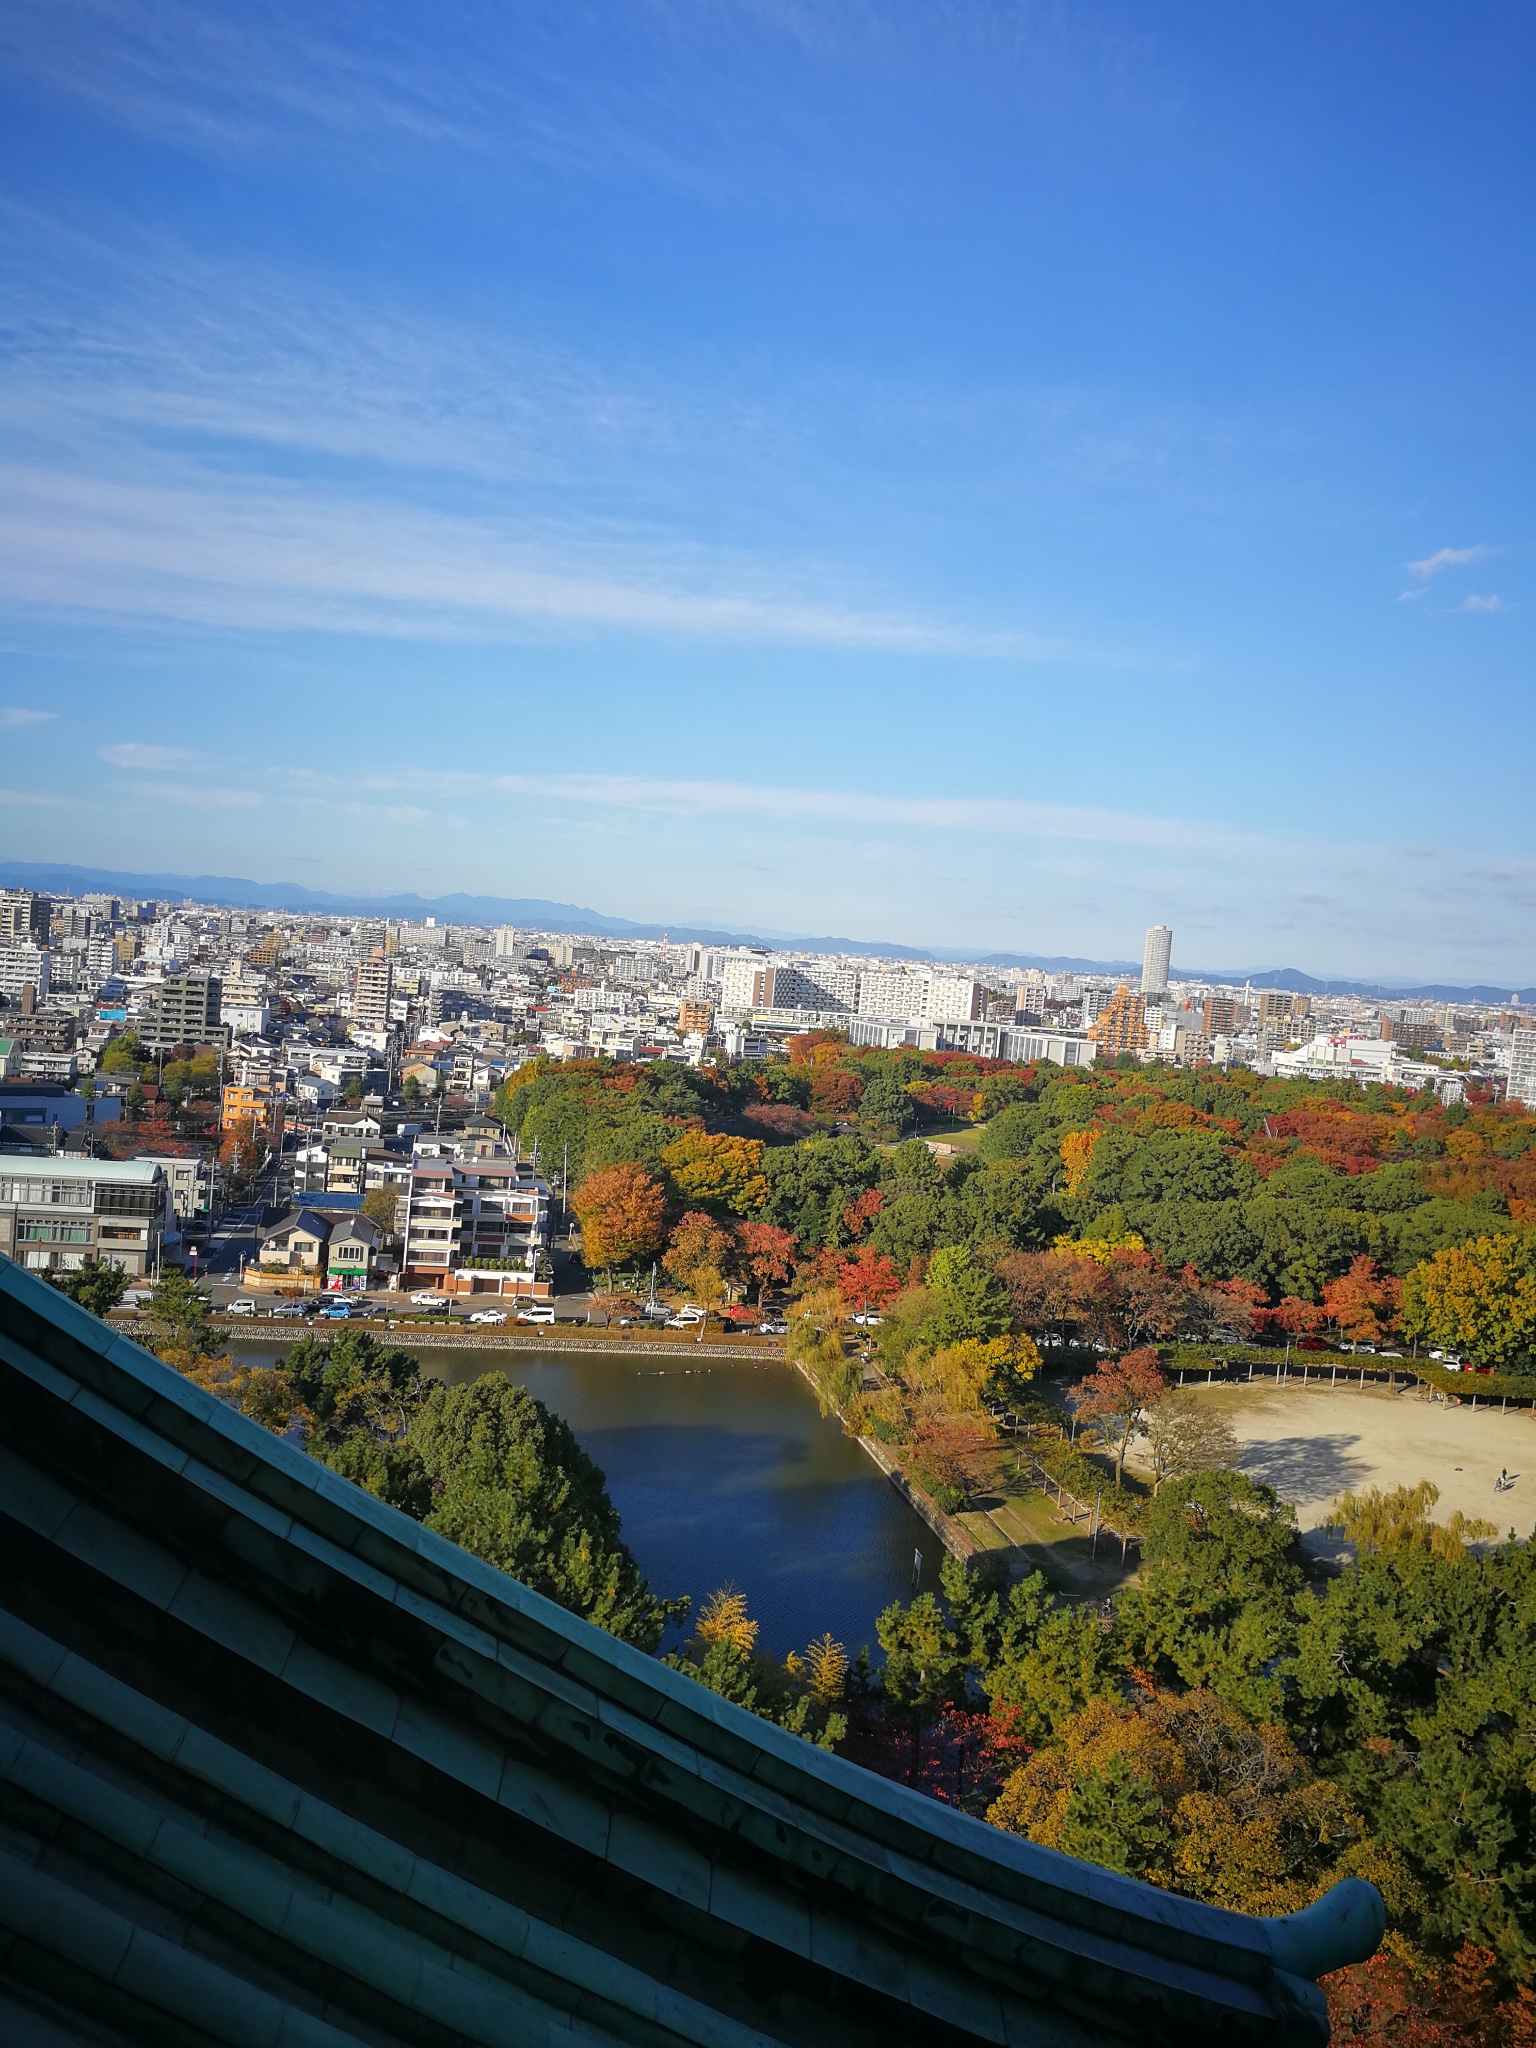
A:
[(1155, 956)]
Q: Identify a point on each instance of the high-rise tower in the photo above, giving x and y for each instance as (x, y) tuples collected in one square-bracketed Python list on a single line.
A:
[(1155, 956)]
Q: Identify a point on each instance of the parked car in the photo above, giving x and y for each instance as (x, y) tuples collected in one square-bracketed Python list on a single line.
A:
[(286, 1309), (537, 1312), (773, 1329), (658, 1311), (868, 1319), (681, 1323), (337, 1312), (243, 1307), (489, 1315), (432, 1304), (690, 1312)]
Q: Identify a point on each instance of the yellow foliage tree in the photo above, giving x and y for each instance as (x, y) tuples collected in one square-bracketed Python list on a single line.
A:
[(1182, 1791), (719, 1172), (1100, 1249), (1478, 1298), (723, 1619), (1077, 1150), (978, 1369), (1399, 1520), (826, 1663)]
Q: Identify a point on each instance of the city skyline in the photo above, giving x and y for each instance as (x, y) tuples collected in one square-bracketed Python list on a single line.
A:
[(994, 478)]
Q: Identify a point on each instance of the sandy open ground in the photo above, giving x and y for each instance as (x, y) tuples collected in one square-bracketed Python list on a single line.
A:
[(1313, 1443)]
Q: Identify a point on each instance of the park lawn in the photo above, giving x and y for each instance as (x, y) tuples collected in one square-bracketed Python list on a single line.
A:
[(956, 1131), (1019, 1517)]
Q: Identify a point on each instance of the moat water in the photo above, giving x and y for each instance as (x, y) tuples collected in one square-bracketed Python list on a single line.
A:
[(725, 1472)]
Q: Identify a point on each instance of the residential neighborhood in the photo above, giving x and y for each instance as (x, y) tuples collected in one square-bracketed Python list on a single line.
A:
[(304, 1105)]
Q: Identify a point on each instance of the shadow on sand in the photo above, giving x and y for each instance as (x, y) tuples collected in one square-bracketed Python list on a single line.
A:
[(1303, 1469)]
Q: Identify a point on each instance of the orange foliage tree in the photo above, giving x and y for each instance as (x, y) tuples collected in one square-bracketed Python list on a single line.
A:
[(622, 1212), (1115, 1399), (699, 1252), (767, 1252), (1364, 1303)]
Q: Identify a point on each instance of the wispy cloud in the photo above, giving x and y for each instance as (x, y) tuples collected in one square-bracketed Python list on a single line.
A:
[(187, 796), (854, 809), (132, 754), (15, 716), (1446, 558), (33, 800), (263, 556), (1477, 601)]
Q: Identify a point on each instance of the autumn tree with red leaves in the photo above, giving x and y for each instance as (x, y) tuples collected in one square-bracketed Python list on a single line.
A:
[(1115, 1399)]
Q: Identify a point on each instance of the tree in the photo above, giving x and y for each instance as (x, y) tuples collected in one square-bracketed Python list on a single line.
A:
[(1478, 1299), (698, 1253), (380, 1205), (977, 1371), (1179, 1788), (866, 1281), (1216, 1606), (122, 1054), (768, 1254), (1186, 1434), (718, 1172), (353, 1385), (183, 1308), (969, 1299), (96, 1284), (886, 1105), (1398, 1522), (622, 1212), (1077, 1149), (1363, 1303), (1299, 1318), (496, 1471), (835, 1092), (1115, 1400), (240, 1153)]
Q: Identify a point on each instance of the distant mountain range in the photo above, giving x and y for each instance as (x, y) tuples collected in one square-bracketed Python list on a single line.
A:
[(535, 913)]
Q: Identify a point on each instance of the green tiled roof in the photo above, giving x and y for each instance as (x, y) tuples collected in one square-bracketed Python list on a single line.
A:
[(281, 1766)]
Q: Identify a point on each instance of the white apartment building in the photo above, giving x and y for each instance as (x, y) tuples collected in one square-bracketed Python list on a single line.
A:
[(1522, 1068), (922, 997), (476, 1226), (24, 966)]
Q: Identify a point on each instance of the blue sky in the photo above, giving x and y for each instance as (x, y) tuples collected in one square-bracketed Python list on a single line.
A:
[(970, 473)]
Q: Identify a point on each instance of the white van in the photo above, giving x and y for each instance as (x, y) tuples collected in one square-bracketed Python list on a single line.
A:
[(537, 1312), (243, 1307)]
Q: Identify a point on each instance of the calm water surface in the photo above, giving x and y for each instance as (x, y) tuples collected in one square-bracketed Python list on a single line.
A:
[(725, 1471)]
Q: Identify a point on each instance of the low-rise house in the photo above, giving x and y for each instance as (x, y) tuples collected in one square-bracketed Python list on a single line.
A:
[(351, 1251), (296, 1244)]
